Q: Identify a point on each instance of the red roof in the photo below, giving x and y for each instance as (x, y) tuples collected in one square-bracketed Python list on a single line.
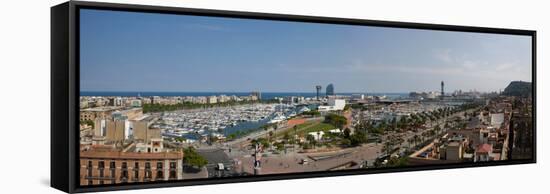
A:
[(484, 148), (296, 121)]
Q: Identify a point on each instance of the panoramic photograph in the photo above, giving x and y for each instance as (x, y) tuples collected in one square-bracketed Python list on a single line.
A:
[(167, 97)]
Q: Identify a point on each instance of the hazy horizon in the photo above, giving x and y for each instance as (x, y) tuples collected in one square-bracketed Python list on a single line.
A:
[(303, 92), (147, 52)]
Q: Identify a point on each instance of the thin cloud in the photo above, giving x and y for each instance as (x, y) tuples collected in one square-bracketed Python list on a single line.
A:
[(443, 55)]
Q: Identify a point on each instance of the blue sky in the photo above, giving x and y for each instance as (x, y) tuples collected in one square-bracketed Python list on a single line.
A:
[(126, 51)]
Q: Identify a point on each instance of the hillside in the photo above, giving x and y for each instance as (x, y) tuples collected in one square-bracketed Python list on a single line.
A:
[(518, 88)]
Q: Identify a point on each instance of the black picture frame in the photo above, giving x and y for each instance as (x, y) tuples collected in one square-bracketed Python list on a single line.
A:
[(65, 92)]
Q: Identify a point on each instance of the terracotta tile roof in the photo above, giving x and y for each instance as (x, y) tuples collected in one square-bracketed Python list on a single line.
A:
[(484, 148)]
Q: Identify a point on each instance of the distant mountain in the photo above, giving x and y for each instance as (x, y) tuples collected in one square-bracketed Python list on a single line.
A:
[(518, 88)]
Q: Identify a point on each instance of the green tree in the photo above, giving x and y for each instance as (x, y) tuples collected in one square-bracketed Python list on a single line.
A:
[(88, 122), (311, 140), (286, 137), (394, 123), (313, 113), (358, 138), (388, 147), (345, 142), (347, 133), (231, 136), (262, 141), (295, 131), (336, 120), (280, 146), (192, 158), (397, 162), (270, 135), (180, 139)]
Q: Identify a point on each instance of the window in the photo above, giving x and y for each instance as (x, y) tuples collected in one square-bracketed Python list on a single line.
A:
[(173, 171), (90, 168), (136, 171), (101, 168), (101, 165), (112, 168), (148, 172), (89, 177), (160, 174), (124, 172)]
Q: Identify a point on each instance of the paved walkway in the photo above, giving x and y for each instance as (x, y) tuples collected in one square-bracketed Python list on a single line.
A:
[(291, 162)]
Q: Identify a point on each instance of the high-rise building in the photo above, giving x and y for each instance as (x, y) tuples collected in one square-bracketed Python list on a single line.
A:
[(330, 90), (318, 90), (258, 94), (442, 89)]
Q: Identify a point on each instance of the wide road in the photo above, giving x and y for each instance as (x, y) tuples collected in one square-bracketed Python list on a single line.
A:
[(409, 135), (291, 162)]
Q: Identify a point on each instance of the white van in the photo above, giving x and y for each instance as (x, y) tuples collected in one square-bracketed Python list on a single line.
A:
[(220, 166)]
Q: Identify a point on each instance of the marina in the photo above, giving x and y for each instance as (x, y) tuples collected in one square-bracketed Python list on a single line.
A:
[(220, 122)]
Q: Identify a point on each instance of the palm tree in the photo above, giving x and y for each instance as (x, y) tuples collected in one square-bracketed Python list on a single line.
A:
[(270, 135), (388, 147), (394, 123), (417, 122), (400, 140), (416, 138), (265, 129), (423, 121), (319, 135), (428, 119), (286, 138), (410, 141), (295, 131), (311, 140), (437, 128)]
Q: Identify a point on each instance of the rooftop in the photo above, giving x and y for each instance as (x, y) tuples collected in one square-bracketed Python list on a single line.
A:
[(99, 154), (484, 148)]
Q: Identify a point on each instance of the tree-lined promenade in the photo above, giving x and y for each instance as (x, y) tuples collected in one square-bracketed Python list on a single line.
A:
[(410, 131), (148, 108), (407, 132), (418, 129)]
